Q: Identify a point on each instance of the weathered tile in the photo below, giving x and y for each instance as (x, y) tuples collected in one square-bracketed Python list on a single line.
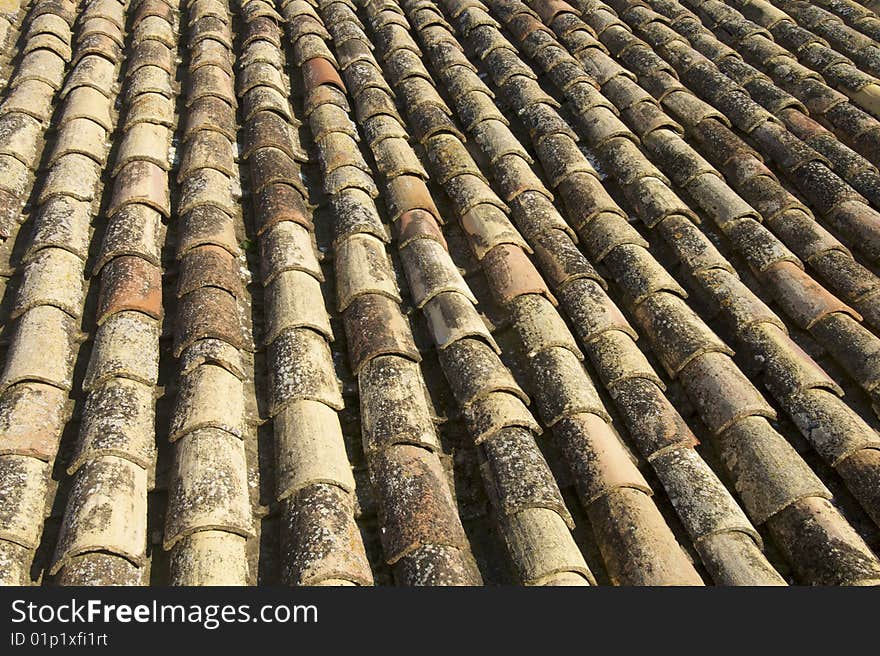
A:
[(210, 113), (295, 302), (394, 405), (449, 158), (259, 74), (475, 371), (287, 246), (363, 267), (106, 511), (512, 274), (144, 183), (355, 212), (42, 349), (429, 119), (496, 411), (211, 82), (452, 317), (126, 346), (215, 352), (761, 450), (91, 71), (209, 397), (418, 224), (86, 102), (419, 508), (30, 97), (52, 277), (24, 498), (118, 420), (395, 157), (310, 448), (130, 283), (72, 175), (324, 542), (309, 47), (349, 176), (338, 149), (18, 136), (209, 266), (207, 312), (46, 66), (152, 53), (155, 27), (16, 561), (207, 149), (467, 191), (678, 336), (430, 271), (209, 557), (149, 108), (144, 141), (519, 475), (374, 325), (268, 129), (207, 188), (32, 416), (279, 202), (318, 71), (302, 369), (133, 230), (208, 489), (405, 193)]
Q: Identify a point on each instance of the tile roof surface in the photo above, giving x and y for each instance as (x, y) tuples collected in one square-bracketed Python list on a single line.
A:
[(454, 292)]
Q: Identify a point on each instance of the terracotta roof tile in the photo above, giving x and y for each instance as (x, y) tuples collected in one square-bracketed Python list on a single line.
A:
[(426, 247), (130, 283)]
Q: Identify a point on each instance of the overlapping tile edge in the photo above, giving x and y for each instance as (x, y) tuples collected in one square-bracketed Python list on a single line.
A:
[(221, 408)]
